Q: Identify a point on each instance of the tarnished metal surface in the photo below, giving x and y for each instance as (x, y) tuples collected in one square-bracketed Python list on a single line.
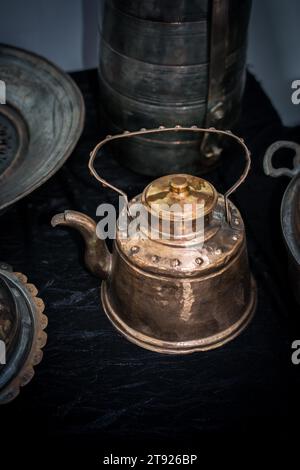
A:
[(216, 93), (166, 10), (22, 325), (160, 65), (13, 139), (182, 294), (40, 123), (153, 41), (290, 207)]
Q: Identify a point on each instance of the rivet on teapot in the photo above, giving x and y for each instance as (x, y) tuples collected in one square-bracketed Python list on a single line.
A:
[(184, 293)]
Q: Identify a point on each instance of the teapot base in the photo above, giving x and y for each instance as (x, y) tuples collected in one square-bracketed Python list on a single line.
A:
[(180, 347)]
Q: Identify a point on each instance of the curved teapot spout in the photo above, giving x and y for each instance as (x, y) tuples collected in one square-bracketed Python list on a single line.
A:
[(97, 257)]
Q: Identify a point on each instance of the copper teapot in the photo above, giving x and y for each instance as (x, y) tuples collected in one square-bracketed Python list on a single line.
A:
[(189, 292)]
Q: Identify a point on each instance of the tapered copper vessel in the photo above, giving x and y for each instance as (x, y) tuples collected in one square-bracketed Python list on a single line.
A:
[(188, 291)]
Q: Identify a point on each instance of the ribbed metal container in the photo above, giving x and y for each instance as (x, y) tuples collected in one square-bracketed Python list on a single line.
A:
[(167, 63)]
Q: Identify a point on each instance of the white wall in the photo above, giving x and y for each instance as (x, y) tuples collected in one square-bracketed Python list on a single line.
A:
[(65, 31), (274, 52)]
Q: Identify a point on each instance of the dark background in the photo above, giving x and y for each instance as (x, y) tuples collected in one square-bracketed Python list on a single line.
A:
[(94, 392)]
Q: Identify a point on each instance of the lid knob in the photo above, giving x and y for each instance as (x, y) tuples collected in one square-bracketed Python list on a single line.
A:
[(179, 184)]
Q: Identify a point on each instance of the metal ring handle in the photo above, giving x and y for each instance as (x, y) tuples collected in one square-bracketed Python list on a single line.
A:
[(275, 172), (210, 130)]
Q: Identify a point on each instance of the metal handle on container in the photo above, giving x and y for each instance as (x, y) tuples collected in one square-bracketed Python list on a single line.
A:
[(211, 130), (275, 172)]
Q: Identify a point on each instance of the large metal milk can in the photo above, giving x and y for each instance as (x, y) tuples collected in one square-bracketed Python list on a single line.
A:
[(170, 61)]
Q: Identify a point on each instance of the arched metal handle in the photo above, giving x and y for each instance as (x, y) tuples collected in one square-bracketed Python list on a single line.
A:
[(211, 130), (275, 172)]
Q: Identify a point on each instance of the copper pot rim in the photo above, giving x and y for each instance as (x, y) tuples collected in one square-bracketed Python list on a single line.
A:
[(53, 157), (27, 351)]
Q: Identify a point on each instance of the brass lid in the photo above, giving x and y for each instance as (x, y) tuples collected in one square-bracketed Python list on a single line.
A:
[(162, 194)]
